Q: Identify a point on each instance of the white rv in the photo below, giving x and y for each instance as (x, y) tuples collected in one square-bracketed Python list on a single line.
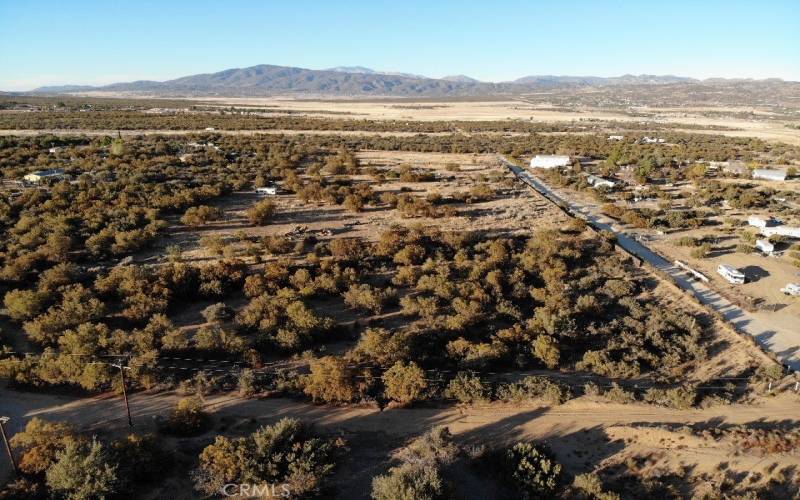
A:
[(597, 182), (792, 289), (267, 191), (550, 161), (769, 174), (731, 274)]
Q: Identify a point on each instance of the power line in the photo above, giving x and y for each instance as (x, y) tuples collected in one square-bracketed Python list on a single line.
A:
[(270, 369)]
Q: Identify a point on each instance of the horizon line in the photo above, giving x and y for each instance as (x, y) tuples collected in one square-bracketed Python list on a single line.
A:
[(31, 87)]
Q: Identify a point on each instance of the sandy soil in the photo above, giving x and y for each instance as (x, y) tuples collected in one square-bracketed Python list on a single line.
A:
[(513, 211), (772, 130), (585, 433), (763, 127)]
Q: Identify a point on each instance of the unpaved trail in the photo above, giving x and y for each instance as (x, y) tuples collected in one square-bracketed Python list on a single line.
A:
[(495, 420)]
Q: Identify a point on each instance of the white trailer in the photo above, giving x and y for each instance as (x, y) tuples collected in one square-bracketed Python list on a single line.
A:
[(731, 274), (792, 289)]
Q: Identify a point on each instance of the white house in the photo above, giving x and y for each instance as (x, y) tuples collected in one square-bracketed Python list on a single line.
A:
[(597, 182), (550, 161), (765, 246), (267, 191), (616, 137), (769, 174), (43, 175), (652, 140), (731, 274), (757, 221)]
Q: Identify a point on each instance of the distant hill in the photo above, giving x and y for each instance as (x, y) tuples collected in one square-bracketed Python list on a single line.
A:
[(357, 81), (603, 81), (460, 78), (64, 89), (267, 79)]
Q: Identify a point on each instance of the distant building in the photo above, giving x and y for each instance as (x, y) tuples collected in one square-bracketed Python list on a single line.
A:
[(652, 140), (769, 174), (616, 137), (765, 246), (267, 191), (731, 274), (44, 175), (788, 231), (210, 129), (757, 221), (550, 161), (735, 167), (597, 182), (792, 289)]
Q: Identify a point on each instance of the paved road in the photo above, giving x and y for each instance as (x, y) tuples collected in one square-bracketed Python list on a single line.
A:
[(782, 341)]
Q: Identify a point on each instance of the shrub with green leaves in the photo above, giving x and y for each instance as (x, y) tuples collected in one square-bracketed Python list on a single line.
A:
[(681, 398), (409, 482), (287, 453), (404, 383), (467, 387), (188, 418), (83, 472), (534, 388), (421, 475), (532, 469)]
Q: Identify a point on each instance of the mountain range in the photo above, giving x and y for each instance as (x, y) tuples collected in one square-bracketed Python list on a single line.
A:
[(266, 80)]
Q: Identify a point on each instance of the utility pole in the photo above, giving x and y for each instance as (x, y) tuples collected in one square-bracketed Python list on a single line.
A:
[(3, 420), (122, 369)]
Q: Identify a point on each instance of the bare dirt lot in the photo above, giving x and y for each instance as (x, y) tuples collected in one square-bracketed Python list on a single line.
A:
[(773, 130), (515, 210)]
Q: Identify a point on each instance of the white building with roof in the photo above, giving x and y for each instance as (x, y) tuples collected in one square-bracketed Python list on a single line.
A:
[(43, 175), (765, 246), (756, 221), (731, 274), (550, 161), (788, 231), (769, 174)]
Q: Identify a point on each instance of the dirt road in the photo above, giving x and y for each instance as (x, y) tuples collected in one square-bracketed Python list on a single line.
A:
[(492, 423)]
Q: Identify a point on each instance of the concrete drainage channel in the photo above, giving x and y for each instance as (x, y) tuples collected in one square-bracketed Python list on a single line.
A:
[(778, 344)]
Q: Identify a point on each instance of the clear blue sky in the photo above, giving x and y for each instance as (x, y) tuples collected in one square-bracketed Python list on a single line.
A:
[(93, 42)]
